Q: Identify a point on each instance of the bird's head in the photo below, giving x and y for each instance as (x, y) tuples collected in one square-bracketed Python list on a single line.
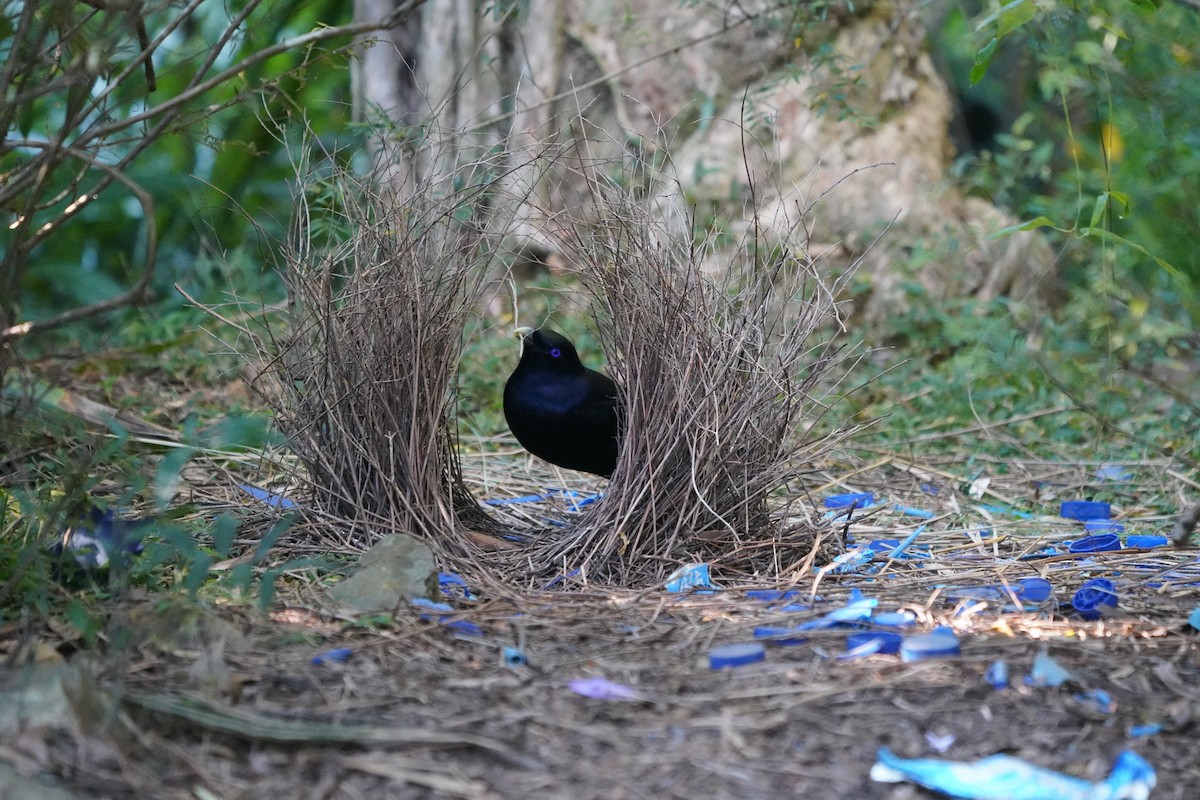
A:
[(548, 349)]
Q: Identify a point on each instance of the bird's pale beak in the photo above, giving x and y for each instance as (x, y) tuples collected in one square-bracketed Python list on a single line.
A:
[(521, 333)]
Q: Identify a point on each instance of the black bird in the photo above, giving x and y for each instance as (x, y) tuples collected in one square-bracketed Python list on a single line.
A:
[(560, 410)]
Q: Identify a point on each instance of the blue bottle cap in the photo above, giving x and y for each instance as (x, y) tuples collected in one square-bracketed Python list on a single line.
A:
[(894, 619), (928, 645), (888, 642), (1093, 596), (736, 655), (1085, 509), (1096, 544), (1033, 590)]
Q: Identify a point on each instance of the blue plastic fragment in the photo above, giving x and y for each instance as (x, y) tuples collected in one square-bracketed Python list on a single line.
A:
[(602, 689), (460, 625), (1084, 510), (452, 585), (772, 595), (1093, 525), (1194, 618), (1012, 512), (1093, 596), (785, 637), (1002, 777), (997, 675), (1096, 544), (1046, 672), (923, 513), (335, 656), (1146, 540), (513, 657), (929, 488), (899, 550), (269, 498), (1142, 731), (939, 643), (1113, 472), (854, 499), (1027, 591), (884, 642), (736, 655), (894, 619), (1098, 699), (688, 577), (850, 561)]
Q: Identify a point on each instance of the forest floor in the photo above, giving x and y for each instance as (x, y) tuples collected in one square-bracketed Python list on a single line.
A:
[(222, 699)]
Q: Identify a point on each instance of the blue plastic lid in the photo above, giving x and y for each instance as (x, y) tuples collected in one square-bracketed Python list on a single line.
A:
[(736, 655), (888, 642), (921, 646), (1146, 540), (860, 499), (1033, 590), (1085, 509), (1103, 525), (1097, 543), (997, 675), (1093, 596)]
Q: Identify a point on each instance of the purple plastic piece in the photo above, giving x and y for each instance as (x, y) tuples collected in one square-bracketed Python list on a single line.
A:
[(602, 689)]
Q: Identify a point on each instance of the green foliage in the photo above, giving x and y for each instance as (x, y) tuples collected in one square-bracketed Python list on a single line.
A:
[(1106, 153)]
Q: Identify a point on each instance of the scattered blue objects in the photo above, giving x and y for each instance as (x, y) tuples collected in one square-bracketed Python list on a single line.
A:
[(1027, 591), (1098, 543), (1084, 510), (997, 675), (852, 500), (576, 500), (1002, 777), (269, 498), (736, 655), (454, 586), (1093, 597), (689, 577), (461, 625), (883, 642), (1047, 672), (336, 656), (939, 643)]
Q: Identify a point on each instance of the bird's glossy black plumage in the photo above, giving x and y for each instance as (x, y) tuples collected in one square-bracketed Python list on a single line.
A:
[(560, 410)]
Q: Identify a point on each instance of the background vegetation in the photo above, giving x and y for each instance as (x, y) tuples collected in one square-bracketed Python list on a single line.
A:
[(1095, 140)]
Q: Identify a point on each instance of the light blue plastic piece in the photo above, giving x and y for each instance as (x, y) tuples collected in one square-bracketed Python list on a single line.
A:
[(1046, 672), (1002, 777), (688, 577), (939, 643), (1146, 540), (997, 675), (1194, 618), (855, 499)]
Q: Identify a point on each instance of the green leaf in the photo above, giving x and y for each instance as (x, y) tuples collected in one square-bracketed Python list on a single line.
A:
[(1013, 16), (1036, 222), (982, 60), (1109, 236), (1098, 209)]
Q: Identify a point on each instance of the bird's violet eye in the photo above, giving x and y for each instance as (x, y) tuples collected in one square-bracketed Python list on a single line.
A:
[(555, 352)]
